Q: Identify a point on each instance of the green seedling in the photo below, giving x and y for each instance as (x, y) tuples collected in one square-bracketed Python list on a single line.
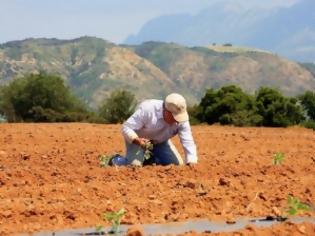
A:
[(147, 150), (295, 206), (278, 158), (114, 218), (99, 228), (104, 159)]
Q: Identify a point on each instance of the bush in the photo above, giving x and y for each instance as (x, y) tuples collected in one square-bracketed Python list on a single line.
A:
[(39, 98), (308, 102), (228, 105), (118, 106), (242, 118), (277, 110), (310, 124), (194, 112)]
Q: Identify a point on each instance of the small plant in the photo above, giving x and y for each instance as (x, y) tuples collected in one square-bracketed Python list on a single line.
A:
[(114, 218), (278, 158), (147, 150), (295, 206), (104, 159), (99, 228)]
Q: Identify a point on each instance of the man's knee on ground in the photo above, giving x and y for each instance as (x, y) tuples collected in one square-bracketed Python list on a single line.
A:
[(136, 162)]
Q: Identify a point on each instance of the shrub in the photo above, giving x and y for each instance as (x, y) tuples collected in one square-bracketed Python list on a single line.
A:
[(310, 124), (194, 113), (277, 110), (228, 105), (308, 102), (118, 106), (40, 98), (242, 118)]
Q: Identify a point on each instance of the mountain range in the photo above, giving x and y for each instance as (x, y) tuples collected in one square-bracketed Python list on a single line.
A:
[(287, 31), (93, 67)]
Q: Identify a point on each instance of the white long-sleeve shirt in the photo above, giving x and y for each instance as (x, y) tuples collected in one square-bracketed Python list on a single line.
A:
[(148, 122)]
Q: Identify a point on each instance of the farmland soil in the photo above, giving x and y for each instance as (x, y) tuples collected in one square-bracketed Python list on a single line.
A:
[(50, 178)]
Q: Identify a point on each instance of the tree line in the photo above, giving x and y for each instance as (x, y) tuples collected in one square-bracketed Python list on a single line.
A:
[(45, 98), (230, 105)]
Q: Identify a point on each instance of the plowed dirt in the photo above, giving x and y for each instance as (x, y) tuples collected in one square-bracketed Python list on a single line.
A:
[(50, 177)]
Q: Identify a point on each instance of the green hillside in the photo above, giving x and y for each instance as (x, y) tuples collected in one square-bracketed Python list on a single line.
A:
[(93, 67)]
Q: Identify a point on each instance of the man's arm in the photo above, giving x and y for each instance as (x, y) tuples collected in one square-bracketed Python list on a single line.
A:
[(134, 122), (188, 143)]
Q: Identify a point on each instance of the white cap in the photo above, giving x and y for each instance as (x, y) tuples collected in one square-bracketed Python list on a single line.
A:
[(176, 104)]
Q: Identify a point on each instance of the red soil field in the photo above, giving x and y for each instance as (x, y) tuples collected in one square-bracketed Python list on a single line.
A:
[(50, 178)]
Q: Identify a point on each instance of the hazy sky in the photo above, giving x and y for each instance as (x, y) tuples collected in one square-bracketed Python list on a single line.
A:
[(113, 20)]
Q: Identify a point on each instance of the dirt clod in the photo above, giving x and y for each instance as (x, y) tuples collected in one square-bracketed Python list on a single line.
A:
[(135, 230)]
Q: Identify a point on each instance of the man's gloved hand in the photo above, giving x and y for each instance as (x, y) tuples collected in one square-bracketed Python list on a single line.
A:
[(142, 142)]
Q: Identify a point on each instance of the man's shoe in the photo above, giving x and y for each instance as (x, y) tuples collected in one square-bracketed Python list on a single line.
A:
[(112, 160), (118, 160)]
